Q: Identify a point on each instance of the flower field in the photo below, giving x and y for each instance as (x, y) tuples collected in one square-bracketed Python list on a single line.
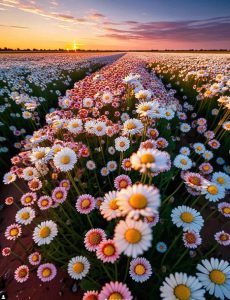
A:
[(118, 186)]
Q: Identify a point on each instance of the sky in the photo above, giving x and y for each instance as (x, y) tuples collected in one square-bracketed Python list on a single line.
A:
[(115, 24)]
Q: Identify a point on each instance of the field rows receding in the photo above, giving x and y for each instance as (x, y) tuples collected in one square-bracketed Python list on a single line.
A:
[(126, 180)]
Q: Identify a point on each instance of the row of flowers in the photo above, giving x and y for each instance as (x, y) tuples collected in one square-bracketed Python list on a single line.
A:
[(117, 196)]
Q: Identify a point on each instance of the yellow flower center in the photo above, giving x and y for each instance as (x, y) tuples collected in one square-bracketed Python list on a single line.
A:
[(212, 189), (59, 195), (22, 273), (206, 168), (138, 201), (109, 250), (226, 210), (113, 204), (186, 217), (29, 173), (220, 180), (115, 296), (123, 184), (224, 237), (94, 238), (183, 161), (217, 277), (85, 203), (39, 155), (65, 159), (190, 238), (28, 199), (44, 202), (46, 272), (133, 236), (146, 107), (78, 267), (147, 158), (131, 126), (14, 232), (44, 232), (182, 292), (35, 257), (139, 269), (74, 125), (25, 215)]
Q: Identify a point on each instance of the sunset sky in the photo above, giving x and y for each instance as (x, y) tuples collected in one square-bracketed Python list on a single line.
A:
[(115, 24)]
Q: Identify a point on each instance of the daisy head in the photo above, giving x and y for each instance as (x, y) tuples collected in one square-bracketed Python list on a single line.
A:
[(126, 164), (65, 159), (222, 238), (85, 204), (21, 274), (46, 272), (93, 238), (109, 207), (13, 232), (206, 168), (115, 291), (181, 286), (161, 247), (44, 202), (6, 251), (122, 143), (59, 194), (28, 199), (9, 178), (122, 182), (25, 215), (45, 232), (188, 218), (78, 267), (140, 269), (35, 258), (133, 126), (191, 239), (35, 184), (214, 275), (132, 238), (65, 183), (224, 209), (152, 220), (182, 162), (107, 251), (213, 192), (221, 179)]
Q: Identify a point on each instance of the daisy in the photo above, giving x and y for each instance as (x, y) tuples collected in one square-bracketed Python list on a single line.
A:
[(188, 218), (180, 286), (221, 179), (28, 199), (161, 247), (226, 125), (59, 195), (90, 165), (133, 126), (13, 232), (35, 258), (30, 173), (25, 215), (140, 269), (87, 102), (107, 98), (21, 274), (85, 204), (214, 144), (185, 151), (35, 184), (104, 171), (224, 208), (65, 159), (9, 201), (152, 133), (214, 275), (213, 192), (126, 164), (111, 165), (46, 272), (150, 159), (115, 291), (182, 162), (143, 95), (9, 178), (40, 154), (90, 295), (65, 183), (122, 182), (99, 128), (199, 148), (207, 155), (75, 126), (223, 238), (45, 232), (185, 127), (122, 143), (109, 207), (206, 168), (138, 200), (145, 109), (191, 239), (152, 220), (107, 251), (132, 237), (195, 180), (93, 238), (6, 251), (44, 202), (78, 267)]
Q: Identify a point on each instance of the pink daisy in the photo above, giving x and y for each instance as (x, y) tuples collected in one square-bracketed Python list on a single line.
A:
[(34, 258), (9, 200), (21, 274), (85, 204), (191, 239), (93, 238), (140, 269), (122, 182), (115, 290), (13, 232), (90, 295), (59, 194), (28, 199), (206, 168), (224, 209), (46, 272), (223, 238), (214, 144), (65, 183), (6, 251), (44, 202), (107, 251), (35, 184), (126, 164)]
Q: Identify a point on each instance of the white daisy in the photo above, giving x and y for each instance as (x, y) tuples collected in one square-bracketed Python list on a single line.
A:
[(65, 159), (78, 267), (109, 208), (45, 232), (180, 286), (182, 162), (25, 215), (75, 125), (133, 126), (188, 218), (40, 154), (221, 179), (122, 143), (214, 274), (9, 177), (213, 192)]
